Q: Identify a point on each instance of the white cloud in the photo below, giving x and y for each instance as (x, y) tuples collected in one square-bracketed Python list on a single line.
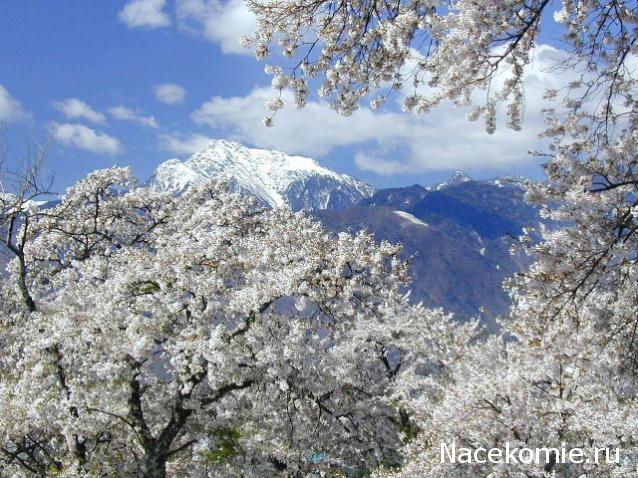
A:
[(387, 142), (82, 137), (10, 108), (390, 142), (220, 21), (75, 108), (145, 14), (169, 93), (184, 144), (127, 114)]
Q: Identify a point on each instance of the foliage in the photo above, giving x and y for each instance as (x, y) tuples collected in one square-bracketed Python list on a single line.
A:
[(435, 50), (564, 369), (198, 335)]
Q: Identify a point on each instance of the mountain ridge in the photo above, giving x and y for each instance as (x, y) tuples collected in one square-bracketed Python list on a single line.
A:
[(457, 235), (274, 178)]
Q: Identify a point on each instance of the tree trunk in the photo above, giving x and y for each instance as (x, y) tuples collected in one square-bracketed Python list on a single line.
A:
[(22, 284), (155, 466)]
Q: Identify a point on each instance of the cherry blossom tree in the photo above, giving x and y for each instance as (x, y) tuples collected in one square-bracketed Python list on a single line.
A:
[(564, 369), (444, 50), (21, 192), (199, 335), (563, 373), (148, 335)]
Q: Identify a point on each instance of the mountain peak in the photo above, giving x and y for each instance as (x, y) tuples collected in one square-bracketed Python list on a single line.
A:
[(262, 160), (457, 178), (276, 179)]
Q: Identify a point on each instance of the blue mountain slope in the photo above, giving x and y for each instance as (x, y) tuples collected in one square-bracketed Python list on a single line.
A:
[(457, 237)]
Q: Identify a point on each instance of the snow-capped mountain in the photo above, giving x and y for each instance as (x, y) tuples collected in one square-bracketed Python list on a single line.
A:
[(7, 199), (458, 177), (274, 178)]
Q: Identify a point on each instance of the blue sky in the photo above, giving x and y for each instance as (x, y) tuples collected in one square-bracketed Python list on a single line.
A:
[(88, 72)]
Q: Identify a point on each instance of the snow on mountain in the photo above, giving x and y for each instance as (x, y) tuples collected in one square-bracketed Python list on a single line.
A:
[(274, 178), (410, 217), (7, 200), (459, 177), (512, 181)]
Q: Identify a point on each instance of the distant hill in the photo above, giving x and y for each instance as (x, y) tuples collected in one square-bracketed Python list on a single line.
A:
[(457, 236)]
